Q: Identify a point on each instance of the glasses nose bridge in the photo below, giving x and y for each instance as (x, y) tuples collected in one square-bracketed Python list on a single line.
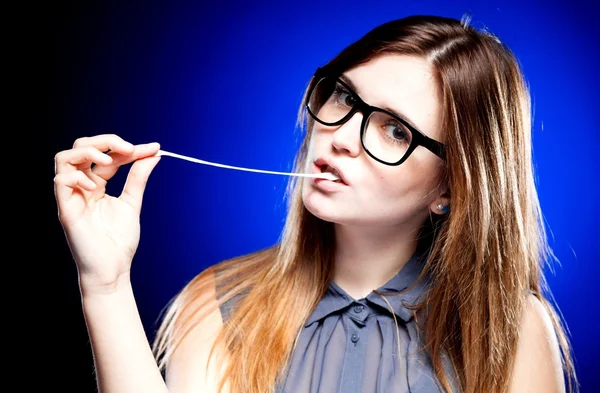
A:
[(348, 136), (360, 107)]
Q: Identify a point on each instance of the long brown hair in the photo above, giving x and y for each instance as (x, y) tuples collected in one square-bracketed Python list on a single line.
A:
[(484, 257)]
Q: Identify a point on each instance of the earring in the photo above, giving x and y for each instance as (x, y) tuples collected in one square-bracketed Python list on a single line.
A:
[(442, 208)]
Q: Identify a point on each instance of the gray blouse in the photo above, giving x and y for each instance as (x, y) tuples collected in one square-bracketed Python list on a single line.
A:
[(351, 345)]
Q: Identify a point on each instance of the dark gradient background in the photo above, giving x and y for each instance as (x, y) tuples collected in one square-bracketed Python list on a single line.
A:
[(222, 81)]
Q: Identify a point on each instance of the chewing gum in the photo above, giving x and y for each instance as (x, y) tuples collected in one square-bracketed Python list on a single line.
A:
[(324, 175)]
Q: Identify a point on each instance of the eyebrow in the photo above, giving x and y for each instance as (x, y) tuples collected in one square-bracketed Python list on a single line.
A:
[(347, 81)]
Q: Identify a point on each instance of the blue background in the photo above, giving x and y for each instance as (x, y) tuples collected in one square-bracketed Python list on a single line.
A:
[(222, 82)]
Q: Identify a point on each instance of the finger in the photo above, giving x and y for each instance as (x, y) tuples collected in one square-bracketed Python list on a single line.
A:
[(139, 152), (79, 158), (73, 180), (137, 179), (65, 183), (105, 142)]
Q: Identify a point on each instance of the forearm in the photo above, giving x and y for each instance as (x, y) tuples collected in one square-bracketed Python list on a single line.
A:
[(123, 358)]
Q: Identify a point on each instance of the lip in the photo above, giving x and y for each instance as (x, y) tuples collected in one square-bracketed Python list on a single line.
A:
[(321, 161), (328, 185)]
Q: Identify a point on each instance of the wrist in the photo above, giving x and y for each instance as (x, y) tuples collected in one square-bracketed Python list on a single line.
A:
[(91, 285)]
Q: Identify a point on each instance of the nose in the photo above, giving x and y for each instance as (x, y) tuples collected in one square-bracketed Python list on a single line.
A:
[(346, 137)]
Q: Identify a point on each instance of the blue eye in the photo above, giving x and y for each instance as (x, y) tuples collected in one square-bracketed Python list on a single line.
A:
[(343, 97), (396, 132)]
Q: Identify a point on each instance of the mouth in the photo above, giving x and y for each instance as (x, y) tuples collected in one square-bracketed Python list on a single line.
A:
[(323, 166)]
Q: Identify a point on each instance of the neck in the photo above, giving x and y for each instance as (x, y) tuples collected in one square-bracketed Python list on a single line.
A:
[(367, 257)]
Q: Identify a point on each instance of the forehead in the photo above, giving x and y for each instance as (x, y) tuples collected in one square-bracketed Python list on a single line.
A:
[(404, 84)]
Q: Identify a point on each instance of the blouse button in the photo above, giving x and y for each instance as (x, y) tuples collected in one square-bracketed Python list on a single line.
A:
[(358, 309), (354, 337)]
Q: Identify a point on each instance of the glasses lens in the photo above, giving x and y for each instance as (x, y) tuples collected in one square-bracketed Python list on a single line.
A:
[(330, 101), (386, 138)]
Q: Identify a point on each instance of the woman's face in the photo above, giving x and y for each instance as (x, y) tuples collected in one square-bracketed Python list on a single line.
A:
[(376, 194)]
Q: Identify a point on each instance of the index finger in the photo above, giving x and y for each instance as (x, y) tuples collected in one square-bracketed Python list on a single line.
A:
[(106, 142)]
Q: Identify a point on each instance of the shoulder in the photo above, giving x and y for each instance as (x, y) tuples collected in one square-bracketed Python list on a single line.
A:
[(235, 278), (190, 368), (538, 365), (203, 308)]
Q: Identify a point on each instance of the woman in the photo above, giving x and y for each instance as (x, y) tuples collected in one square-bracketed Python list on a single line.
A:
[(418, 270)]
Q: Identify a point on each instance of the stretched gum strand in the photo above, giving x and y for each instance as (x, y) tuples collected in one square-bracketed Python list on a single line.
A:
[(324, 175)]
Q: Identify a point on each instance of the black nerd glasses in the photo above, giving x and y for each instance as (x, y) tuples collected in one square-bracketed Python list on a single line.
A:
[(385, 136)]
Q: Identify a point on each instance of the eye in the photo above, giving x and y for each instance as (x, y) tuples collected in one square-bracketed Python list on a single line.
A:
[(343, 97), (397, 132)]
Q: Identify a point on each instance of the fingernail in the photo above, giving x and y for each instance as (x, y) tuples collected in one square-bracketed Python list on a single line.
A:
[(154, 145)]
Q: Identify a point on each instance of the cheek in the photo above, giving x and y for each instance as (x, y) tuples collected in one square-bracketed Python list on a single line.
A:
[(410, 183), (392, 186), (318, 137), (314, 141)]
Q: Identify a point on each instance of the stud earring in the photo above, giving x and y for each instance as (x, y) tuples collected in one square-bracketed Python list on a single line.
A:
[(442, 208)]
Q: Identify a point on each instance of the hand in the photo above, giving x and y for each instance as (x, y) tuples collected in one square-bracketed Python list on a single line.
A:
[(102, 231)]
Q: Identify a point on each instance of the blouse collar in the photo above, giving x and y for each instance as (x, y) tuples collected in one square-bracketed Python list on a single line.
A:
[(336, 298)]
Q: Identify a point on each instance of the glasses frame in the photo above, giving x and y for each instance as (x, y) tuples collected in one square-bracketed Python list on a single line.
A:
[(418, 138)]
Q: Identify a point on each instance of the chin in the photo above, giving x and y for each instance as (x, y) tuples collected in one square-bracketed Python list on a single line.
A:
[(329, 212), (319, 213), (323, 209), (315, 208)]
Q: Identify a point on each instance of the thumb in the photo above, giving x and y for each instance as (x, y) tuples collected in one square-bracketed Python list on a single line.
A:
[(133, 191)]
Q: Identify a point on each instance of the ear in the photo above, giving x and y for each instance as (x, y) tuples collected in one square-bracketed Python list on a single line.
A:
[(441, 204)]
